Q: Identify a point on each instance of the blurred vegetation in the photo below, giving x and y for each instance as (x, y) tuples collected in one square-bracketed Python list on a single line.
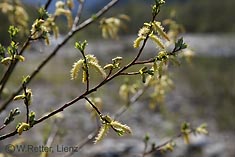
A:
[(197, 16), (212, 81), (4, 35), (33, 14), (206, 16)]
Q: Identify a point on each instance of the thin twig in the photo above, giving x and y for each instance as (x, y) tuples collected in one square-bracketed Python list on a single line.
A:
[(93, 106), (158, 147), (79, 13), (146, 61), (13, 133), (87, 77), (26, 101), (47, 4), (97, 15), (3, 126), (130, 73)]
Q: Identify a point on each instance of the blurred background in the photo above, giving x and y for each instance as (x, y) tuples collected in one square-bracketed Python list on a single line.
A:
[(204, 89), (211, 16)]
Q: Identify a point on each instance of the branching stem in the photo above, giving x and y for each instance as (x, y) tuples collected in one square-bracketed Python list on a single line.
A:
[(26, 101), (13, 64), (54, 52), (11, 67), (158, 147), (94, 107)]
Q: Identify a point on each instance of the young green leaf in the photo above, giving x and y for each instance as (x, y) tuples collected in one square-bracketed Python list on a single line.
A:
[(13, 31), (11, 116)]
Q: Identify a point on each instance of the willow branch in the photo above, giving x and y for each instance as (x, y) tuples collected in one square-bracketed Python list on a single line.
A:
[(12, 66), (94, 88), (82, 96), (60, 109), (158, 147), (54, 52)]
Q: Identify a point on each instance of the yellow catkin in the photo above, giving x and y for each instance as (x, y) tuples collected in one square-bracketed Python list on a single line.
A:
[(15, 10), (76, 68), (110, 27), (91, 58), (124, 92), (144, 31), (44, 154), (22, 127), (98, 68), (157, 41), (59, 4), (120, 126), (20, 58), (84, 76), (102, 132), (70, 4), (6, 60), (202, 129), (124, 17), (19, 97), (69, 17), (108, 66), (137, 42), (186, 138), (55, 31), (47, 41), (169, 146), (157, 26), (105, 32), (61, 11)]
